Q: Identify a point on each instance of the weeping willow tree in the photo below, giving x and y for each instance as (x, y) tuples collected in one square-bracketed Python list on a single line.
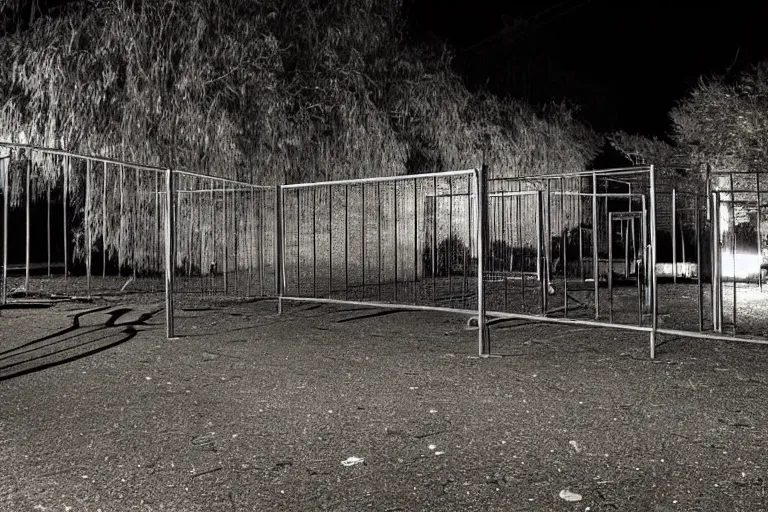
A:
[(267, 92)]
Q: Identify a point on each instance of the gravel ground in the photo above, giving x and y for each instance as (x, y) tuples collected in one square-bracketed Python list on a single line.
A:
[(252, 411)]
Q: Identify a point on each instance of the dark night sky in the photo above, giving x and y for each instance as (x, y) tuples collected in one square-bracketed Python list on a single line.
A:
[(625, 63)]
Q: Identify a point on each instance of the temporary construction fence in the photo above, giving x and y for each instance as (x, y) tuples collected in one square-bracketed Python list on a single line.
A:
[(76, 225), (223, 235), (405, 240), (611, 247), (80, 226)]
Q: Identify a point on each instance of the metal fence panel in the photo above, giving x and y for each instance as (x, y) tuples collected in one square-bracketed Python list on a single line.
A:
[(405, 241)]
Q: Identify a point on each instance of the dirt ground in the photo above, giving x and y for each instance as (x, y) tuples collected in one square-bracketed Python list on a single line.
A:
[(251, 411)]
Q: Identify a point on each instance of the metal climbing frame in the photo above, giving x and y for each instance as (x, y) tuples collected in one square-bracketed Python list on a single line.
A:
[(566, 223)]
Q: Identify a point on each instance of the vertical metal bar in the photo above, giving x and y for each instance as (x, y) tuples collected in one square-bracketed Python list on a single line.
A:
[(540, 242), (133, 224), (262, 276), (120, 241), (548, 246), (714, 215), (378, 233), (646, 255), (450, 241), (610, 267), (759, 237), (700, 298), (674, 236), (202, 233), (104, 224), (225, 240), (346, 241), (283, 251), (87, 215), (540, 235), (213, 238), (394, 194), (519, 224), (564, 247), (626, 239), (465, 251), (314, 241), (634, 239), (492, 237), (581, 241), (639, 281), (236, 241), (707, 177), (415, 242), (170, 251), (330, 241), (363, 235), (720, 246), (298, 242), (595, 262), (504, 246), (434, 241), (733, 250), (626, 235), (483, 337), (249, 239), (470, 219), (279, 250), (28, 200), (65, 172), (654, 289), (48, 224), (5, 167)]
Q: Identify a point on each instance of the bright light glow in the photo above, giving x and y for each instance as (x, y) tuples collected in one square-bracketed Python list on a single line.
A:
[(746, 265)]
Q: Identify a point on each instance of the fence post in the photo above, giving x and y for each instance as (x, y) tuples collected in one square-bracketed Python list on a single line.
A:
[(279, 270), (595, 252), (65, 177), (28, 199), (483, 334), (5, 166), (717, 266), (654, 281), (541, 252), (87, 227), (170, 251)]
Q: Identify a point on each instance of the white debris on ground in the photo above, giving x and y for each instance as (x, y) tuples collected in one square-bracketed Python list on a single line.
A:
[(569, 496)]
